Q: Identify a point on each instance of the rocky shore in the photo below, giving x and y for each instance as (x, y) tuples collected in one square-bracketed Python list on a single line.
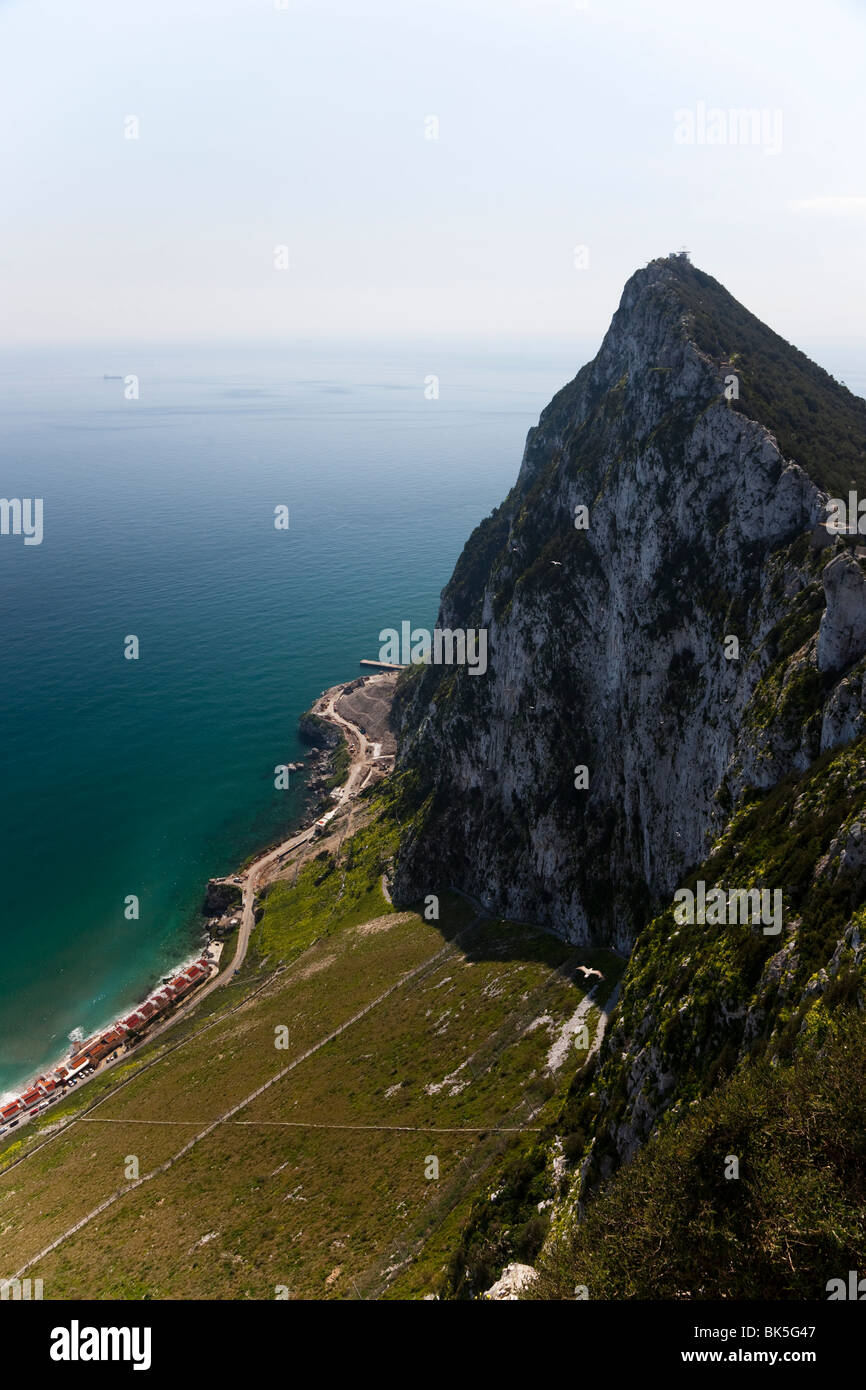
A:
[(223, 896)]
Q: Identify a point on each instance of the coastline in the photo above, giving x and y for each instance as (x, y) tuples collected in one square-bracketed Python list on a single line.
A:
[(116, 1037), (64, 1058)]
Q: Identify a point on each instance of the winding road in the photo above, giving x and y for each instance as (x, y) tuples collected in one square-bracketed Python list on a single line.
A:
[(362, 765)]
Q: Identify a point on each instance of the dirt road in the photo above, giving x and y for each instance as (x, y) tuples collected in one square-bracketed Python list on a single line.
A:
[(364, 762)]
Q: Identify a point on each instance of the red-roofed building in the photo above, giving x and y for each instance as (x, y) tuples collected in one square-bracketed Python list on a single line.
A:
[(10, 1111)]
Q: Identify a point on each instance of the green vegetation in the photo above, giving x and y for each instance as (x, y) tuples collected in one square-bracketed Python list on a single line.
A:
[(333, 890), (471, 571), (816, 420), (508, 1225), (404, 691), (672, 1225), (702, 999), (791, 692), (437, 1037), (330, 893), (511, 1222), (341, 761)]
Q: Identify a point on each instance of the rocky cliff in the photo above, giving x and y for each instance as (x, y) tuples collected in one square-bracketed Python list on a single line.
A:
[(675, 694), (653, 591)]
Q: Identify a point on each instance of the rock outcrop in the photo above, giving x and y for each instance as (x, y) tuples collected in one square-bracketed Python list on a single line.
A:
[(675, 692), (221, 897), (514, 1280), (637, 586), (317, 731), (842, 634)]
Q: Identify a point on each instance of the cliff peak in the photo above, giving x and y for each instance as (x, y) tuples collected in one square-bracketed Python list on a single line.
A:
[(640, 585)]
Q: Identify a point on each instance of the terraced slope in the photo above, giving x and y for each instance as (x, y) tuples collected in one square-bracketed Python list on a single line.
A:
[(307, 1169)]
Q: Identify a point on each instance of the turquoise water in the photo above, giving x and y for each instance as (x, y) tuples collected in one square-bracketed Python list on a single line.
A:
[(147, 777)]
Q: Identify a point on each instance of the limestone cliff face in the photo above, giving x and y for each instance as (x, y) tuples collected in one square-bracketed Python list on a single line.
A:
[(609, 646), (842, 635)]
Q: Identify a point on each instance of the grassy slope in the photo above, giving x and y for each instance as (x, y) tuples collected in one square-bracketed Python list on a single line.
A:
[(271, 1199), (787, 1097), (672, 1225)]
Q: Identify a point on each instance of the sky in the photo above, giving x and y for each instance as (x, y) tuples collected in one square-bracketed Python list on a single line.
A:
[(460, 170)]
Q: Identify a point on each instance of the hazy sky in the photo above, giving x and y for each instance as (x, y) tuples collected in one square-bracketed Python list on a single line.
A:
[(306, 126)]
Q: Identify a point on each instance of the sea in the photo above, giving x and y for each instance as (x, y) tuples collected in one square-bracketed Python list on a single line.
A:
[(127, 782)]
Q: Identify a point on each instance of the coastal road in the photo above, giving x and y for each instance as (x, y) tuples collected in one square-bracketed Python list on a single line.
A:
[(362, 764), (358, 744), (251, 882), (360, 769)]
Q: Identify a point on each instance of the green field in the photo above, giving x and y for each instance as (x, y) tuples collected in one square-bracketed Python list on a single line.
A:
[(415, 1054)]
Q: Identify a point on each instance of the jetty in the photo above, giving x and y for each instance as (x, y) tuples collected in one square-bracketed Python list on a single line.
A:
[(382, 665)]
